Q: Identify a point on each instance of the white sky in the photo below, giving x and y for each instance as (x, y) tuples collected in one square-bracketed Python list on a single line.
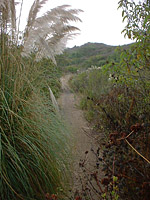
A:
[(101, 21)]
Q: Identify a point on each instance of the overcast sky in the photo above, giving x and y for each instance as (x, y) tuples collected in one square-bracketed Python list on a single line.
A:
[(101, 21)]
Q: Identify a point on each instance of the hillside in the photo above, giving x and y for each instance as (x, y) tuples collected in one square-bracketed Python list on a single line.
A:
[(88, 54)]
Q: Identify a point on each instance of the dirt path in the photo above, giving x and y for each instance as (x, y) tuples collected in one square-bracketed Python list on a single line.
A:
[(74, 117), (82, 142)]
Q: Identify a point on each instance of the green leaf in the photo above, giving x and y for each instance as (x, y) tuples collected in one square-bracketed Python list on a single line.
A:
[(115, 178), (104, 195)]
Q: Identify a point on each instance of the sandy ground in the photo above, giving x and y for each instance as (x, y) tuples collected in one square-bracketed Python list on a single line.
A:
[(82, 142)]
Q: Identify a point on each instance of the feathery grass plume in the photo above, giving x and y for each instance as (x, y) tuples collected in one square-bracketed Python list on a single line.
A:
[(53, 100), (48, 34), (34, 150), (35, 8)]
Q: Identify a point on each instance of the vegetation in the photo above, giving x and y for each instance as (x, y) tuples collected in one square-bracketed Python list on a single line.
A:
[(90, 54), (116, 100), (115, 89), (33, 165)]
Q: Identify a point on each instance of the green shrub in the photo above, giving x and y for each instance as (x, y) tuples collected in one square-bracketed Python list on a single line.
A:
[(71, 69), (119, 108)]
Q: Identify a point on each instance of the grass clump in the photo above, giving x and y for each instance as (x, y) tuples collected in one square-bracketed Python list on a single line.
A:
[(32, 136)]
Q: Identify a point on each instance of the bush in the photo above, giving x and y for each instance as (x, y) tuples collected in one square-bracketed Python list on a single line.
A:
[(118, 107)]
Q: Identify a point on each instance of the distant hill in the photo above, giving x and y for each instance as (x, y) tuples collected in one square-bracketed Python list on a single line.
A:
[(88, 54)]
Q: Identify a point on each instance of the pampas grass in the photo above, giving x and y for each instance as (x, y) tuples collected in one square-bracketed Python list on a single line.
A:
[(34, 150), (48, 34), (32, 136)]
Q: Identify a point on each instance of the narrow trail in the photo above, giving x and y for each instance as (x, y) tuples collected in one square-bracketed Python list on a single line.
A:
[(82, 142)]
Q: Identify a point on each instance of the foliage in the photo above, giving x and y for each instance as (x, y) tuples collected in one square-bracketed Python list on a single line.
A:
[(138, 19), (51, 76), (71, 68), (117, 110), (89, 54)]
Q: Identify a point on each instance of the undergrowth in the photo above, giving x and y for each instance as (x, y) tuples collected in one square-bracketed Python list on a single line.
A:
[(120, 111)]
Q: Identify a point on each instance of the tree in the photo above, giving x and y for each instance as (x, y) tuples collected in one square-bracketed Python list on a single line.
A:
[(138, 28)]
